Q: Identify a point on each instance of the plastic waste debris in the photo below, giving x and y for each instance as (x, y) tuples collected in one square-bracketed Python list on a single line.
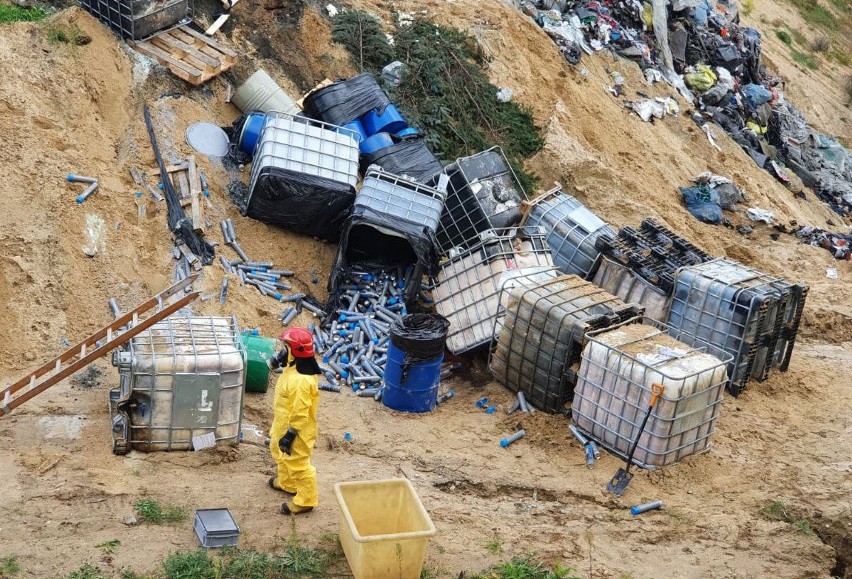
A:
[(758, 214)]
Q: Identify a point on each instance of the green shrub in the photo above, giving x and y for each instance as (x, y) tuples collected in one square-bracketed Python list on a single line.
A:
[(784, 37), (444, 90)]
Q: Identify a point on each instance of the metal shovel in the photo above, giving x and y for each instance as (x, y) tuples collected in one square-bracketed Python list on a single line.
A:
[(623, 476)]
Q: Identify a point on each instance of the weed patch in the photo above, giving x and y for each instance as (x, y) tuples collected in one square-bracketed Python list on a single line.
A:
[(526, 567), (778, 511), (150, 511), (821, 44), (784, 37), (9, 566), (67, 34), (804, 59), (747, 7), (361, 34), (494, 546), (13, 13), (815, 13), (87, 571)]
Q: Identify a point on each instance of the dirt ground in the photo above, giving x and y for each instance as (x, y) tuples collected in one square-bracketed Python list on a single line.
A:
[(63, 492)]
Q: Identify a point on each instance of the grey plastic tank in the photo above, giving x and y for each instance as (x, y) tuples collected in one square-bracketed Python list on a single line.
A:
[(626, 284), (749, 314), (181, 378), (544, 331), (571, 230)]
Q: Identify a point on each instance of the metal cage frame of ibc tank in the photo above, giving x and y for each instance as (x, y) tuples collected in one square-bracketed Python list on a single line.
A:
[(341, 176), (472, 268), (767, 335), (118, 16), (559, 239), (638, 406), (171, 332), (407, 212), (477, 220), (550, 385)]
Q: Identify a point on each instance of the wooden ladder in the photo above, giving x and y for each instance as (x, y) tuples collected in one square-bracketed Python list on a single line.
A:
[(122, 329)]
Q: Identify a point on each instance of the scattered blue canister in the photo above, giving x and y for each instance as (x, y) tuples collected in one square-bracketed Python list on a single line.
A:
[(389, 121)]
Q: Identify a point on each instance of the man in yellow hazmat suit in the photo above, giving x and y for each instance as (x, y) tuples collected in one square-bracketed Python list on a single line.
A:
[(294, 425)]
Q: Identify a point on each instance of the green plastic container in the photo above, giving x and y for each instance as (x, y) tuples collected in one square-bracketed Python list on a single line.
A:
[(258, 350)]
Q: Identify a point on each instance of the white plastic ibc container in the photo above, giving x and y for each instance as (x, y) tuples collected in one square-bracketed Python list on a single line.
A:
[(469, 283), (626, 284), (400, 198), (614, 390), (308, 147), (571, 230), (181, 378)]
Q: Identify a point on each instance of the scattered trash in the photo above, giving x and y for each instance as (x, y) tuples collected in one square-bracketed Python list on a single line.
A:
[(729, 194), (654, 108), (831, 273), (839, 244), (704, 203), (445, 396), (202, 441), (638, 510), (711, 137), (393, 72), (758, 214), (94, 230), (208, 139), (653, 75), (331, 9), (504, 95)]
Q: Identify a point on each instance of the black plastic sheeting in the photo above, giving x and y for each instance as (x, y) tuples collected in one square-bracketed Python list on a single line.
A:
[(409, 157), (376, 241), (346, 100), (421, 336), (302, 203)]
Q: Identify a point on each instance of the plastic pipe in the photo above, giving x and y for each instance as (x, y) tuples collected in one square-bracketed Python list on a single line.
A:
[(522, 400), (89, 190), (638, 510), (446, 396), (329, 387), (578, 435), (510, 439), (72, 178)]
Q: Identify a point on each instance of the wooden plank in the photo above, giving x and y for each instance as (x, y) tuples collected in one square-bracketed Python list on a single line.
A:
[(180, 69), (187, 54), (183, 186), (217, 25), (195, 196), (220, 47), (186, 44), (170, 169)]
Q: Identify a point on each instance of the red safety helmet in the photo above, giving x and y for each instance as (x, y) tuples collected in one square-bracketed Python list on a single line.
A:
[(300, 341)]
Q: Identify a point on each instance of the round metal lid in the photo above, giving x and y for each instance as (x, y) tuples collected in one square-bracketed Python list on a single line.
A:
[(208, 139)]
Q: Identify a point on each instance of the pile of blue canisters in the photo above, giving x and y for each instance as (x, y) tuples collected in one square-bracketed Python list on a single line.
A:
[(375, 129)]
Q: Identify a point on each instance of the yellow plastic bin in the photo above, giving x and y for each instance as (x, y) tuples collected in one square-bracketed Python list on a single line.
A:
[(384, 528)]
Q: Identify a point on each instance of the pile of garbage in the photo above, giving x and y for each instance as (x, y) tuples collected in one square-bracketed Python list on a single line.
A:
[(715, 64), (839, 244)]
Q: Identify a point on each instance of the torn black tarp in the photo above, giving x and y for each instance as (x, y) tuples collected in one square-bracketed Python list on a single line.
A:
[(346, 100), (409, 157), (180, 226), (303, 203)]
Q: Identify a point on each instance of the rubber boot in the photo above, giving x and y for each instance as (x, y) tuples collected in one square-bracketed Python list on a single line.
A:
[(291, 508), (272, 481)]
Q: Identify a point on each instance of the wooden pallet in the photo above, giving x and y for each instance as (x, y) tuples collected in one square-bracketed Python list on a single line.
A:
[(188, 54), (187, 180)]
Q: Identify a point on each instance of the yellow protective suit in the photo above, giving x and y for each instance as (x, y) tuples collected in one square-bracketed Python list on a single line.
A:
[(296, 402)]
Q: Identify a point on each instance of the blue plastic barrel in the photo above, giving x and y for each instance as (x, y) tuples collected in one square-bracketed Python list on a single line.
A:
[(390, 121), (413, 388), (407, 131), (250, 134), (357, 128), (375, 143)]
